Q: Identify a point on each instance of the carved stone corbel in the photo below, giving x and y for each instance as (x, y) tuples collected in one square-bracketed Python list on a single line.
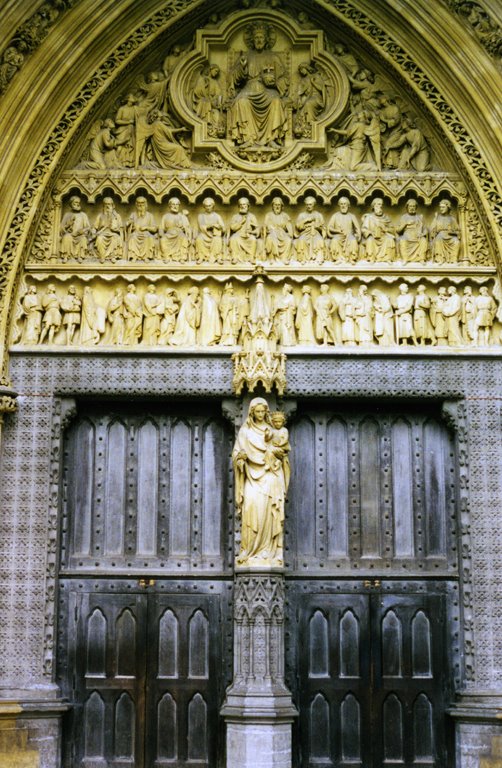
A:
[(8, 404)]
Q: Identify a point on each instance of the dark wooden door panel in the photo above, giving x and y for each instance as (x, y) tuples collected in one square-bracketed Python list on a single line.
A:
[(372, 680), (145, 674)]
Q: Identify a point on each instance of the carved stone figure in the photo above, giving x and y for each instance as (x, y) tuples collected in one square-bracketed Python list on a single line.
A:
[(161, 148), (51, 321), (345, 233), (102, 153), (347, 312), (75, 231), (185, 332), (209, 237), (415, 151), (108, 232), (486, 309), (422, 325), (125, 132), (445, 235), (153, 309), (325, 308), (12, 61), (210, 324), (207, 100), (32, 309), (437, 316), (362, 136), (412, 235), (383, 318), (244, 233), (452, 310), (168, 321), (284, 317), (403, 312), (175, 233), (468, 316), (310, 233), (71, 305), (310, 99), (363, 316), (93, 319), (278, 233), (305, 317), (133, 316), (259, 310), (229, 312), (115, 316), (260, 488), (142, 233), (257, 114), (378, 234)]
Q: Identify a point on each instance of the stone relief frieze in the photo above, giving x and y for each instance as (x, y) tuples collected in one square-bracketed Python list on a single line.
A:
[(176, 230), (261, 318)]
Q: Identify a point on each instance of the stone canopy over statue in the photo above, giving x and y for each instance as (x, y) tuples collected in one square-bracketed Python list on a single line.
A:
[(262, 474)]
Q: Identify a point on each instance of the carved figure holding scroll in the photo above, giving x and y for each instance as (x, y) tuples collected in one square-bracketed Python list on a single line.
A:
[(378, 234), (142, 233), (75, 231), (244, 233), (345, 233), (209, 237), (412, 235), (32, 309), (175, 233), (278, 233), (445, 235), (260, 488), (310, 231), (108, 232), (257, 114)]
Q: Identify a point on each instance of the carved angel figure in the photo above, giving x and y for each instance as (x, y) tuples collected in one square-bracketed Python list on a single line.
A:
[(310, 99)]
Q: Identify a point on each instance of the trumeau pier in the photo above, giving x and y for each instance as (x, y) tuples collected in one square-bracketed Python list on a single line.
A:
[(250, 385)]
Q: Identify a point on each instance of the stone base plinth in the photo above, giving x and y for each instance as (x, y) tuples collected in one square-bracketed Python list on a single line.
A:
[(258, 745)]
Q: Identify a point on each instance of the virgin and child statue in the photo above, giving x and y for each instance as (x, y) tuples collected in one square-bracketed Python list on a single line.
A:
[(262, 472)]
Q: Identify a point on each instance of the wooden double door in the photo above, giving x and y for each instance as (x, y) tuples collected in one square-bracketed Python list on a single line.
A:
[(145, 672), (371, 679)]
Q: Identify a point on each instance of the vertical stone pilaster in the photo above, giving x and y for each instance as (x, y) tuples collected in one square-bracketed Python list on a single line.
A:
[(258, 709)]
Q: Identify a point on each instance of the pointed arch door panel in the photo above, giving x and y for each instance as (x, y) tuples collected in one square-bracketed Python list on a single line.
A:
[(372, 680), (145, 672)]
